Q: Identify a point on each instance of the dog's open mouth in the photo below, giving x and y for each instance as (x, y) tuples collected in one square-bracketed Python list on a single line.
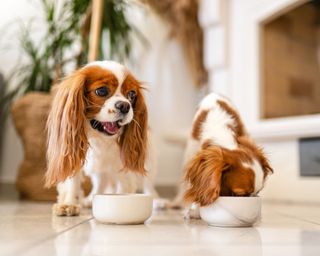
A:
[(109, 128)]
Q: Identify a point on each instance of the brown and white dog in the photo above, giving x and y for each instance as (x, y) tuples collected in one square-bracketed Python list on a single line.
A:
[(220, 159), (98, 124)]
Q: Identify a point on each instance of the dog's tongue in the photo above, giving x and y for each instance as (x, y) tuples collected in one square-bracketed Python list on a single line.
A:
[(110, 127)]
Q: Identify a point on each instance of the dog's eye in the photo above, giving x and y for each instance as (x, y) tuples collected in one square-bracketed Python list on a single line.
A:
[(102, 91), (132, 95)]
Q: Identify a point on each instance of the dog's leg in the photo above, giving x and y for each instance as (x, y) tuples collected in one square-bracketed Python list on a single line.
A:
[(126, 183), (177, 202), (148, 188), (98, 181), (69, 196), (148, 181), (191, 149), (192, 211)]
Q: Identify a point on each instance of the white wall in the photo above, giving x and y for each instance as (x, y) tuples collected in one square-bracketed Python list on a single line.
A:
[(172, 97), (286, 183)]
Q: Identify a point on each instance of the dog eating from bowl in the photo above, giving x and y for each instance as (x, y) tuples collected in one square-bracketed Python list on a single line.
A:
[(220, 159)]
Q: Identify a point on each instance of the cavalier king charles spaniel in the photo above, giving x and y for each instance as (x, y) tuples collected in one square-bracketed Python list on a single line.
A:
[(220, 158), (98, 124)]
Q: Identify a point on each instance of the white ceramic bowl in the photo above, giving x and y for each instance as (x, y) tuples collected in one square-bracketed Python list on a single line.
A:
[(232, 211), (122, 208)]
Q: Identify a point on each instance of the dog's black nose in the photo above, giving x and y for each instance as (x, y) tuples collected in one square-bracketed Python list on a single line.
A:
[(123, 106)]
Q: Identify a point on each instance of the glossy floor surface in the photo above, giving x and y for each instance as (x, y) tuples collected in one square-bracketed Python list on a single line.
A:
[(30, 229)]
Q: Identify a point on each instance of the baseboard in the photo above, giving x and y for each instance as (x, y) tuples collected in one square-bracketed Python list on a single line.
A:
[(8, 190), (167, 191), (7, 179)]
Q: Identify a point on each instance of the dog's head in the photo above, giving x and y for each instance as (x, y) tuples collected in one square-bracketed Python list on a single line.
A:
[(102, 98), (215, 171)]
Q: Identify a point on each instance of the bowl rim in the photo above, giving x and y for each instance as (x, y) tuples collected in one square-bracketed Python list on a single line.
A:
[(240, 198), (123, 195), (231, 199)]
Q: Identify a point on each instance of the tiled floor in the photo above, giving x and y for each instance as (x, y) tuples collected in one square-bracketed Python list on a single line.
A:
[(29, 229)]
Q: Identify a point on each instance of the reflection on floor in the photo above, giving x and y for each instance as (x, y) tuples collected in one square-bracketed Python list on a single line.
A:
[(29, 229)]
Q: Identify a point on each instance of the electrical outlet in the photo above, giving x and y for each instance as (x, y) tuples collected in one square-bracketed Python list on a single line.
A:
[(309, 153)]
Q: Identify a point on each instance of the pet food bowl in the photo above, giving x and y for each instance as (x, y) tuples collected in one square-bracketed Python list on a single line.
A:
[(232, 211), (122, 208)]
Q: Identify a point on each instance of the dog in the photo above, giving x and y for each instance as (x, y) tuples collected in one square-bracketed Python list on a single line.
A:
[(98, 125), (220, 159)]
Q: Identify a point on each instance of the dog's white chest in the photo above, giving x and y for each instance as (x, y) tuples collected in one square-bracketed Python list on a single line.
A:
[(103, 156)]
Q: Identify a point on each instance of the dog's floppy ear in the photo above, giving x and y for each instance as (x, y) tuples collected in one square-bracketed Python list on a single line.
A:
[(258, 152), (266, 167), (67, 140), (203, 174), (133, 141)]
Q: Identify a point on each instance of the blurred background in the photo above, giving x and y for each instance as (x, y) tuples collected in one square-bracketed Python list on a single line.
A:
[(264, 55)]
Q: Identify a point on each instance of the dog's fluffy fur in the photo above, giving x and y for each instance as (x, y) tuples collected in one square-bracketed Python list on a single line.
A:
[(220, 159), (98, 124)]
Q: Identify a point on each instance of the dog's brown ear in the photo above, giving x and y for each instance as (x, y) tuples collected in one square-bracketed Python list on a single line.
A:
[(258, 152), (134, 139), (67, 140), (203, 173)]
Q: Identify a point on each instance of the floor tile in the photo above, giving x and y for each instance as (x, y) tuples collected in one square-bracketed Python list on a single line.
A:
[(24, 225), (29, 229), (167, 233)]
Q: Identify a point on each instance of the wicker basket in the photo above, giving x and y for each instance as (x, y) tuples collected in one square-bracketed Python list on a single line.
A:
[(29, 114)]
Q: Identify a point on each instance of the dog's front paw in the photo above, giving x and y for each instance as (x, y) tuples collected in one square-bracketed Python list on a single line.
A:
[(192, 213), (66, 209), (87, 202), (160, 203)]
